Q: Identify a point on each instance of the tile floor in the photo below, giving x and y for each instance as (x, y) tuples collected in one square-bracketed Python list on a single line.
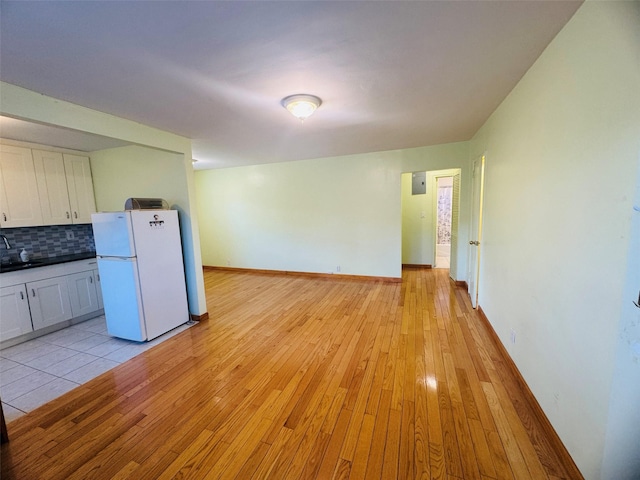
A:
[(35, 372)]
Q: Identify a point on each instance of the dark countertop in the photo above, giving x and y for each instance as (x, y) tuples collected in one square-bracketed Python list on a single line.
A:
[(44, 262)]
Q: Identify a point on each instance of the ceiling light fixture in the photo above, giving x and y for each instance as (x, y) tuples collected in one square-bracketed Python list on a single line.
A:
[(301, 106)]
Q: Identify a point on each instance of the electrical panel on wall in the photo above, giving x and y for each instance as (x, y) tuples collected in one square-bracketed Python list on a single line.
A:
[(418, 183)]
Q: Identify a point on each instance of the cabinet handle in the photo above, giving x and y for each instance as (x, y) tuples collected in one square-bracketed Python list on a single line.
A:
[(33, 292), (90, 279), (4, 215), (68, 216), (98, 277), (75, 214), (21, 296)]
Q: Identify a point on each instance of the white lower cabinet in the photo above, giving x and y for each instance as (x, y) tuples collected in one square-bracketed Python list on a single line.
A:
[(49, 302), (96, 278), (83, 293), (33, 299), (16, 318)]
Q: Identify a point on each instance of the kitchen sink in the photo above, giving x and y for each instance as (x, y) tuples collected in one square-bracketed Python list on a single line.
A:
[(12, 267)]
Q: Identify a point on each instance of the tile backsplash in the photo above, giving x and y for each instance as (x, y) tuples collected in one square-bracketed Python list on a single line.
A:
[(48, 241)]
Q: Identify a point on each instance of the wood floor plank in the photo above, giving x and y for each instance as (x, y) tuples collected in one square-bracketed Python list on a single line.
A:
[(298, 377), (406, 456)]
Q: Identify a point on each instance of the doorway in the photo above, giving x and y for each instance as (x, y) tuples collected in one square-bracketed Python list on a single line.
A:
[(444, 207), (420, 225)]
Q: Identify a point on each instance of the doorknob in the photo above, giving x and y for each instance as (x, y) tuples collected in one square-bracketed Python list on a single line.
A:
[(474, 242)]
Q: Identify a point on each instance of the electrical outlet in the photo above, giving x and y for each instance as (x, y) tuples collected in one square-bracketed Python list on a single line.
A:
[(228, 262), (338, 269), (513, 336), (70, 235)]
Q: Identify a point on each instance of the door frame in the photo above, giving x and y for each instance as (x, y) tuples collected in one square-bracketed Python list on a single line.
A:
[(452, 172)]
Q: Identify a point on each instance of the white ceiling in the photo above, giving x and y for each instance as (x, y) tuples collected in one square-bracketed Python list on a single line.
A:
[(391, 74)]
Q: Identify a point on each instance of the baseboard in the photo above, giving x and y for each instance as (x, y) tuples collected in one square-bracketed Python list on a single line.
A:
[(550, 432), (199, 318), (461, 283), (416, 265), (335, 276)]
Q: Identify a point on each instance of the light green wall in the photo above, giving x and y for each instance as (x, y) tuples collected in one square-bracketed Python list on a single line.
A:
[(561, 166), (417, 224), (31, 106), (314, 215), (136, 171)]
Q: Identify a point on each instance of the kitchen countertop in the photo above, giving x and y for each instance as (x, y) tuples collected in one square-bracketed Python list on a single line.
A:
[(44, 262)]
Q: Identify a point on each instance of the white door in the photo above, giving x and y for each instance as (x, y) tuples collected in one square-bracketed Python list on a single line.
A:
[(477, 192), (455, 212)]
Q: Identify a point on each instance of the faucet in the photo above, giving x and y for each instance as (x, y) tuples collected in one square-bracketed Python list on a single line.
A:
[(8, 245)]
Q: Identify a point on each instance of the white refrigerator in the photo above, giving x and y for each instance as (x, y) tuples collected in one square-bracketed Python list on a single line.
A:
[(141, 272)]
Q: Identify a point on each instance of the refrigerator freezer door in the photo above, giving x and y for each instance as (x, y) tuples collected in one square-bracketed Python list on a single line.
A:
[(121, 298), (161, 269), (113, 234)]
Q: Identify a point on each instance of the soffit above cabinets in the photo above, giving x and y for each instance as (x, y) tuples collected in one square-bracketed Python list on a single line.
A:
[(51, 136)]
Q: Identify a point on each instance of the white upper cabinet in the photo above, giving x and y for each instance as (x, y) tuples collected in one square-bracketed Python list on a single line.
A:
[(19, 200), (52, 187), (42, 187), (80, 187)]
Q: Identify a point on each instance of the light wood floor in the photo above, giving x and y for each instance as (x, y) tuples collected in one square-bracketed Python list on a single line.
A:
[(301, 378)]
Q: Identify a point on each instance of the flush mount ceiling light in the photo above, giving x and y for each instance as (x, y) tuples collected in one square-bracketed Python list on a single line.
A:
[(301, 106)]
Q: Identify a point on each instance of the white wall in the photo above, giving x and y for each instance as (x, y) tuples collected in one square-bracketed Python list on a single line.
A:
[(31, 106), (313, 215), (562, 159)]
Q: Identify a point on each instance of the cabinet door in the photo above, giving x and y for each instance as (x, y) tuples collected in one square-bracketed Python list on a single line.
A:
[(16, 319), (52, 187), (19, 200), (80, 187), (82, 293), (96, 280), (49, 301)]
